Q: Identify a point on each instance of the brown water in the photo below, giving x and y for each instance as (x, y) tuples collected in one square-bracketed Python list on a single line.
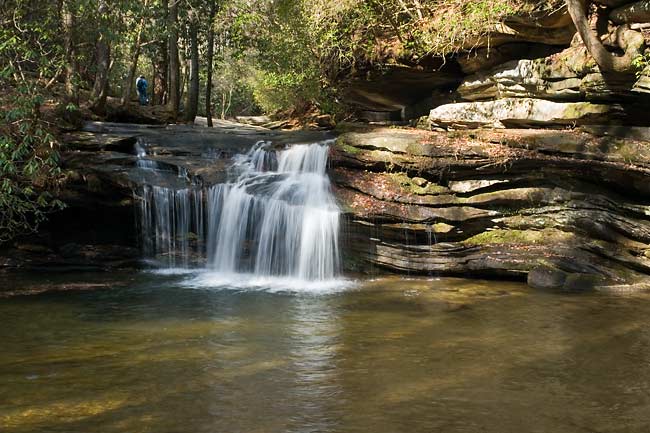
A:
[(142, 353)]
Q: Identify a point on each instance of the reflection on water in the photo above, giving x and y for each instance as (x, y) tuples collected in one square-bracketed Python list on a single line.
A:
[(314, 332), (146, 353)]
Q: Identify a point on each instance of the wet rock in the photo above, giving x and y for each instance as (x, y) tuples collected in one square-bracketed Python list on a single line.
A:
[(582, 282), (91, 142), (106, 165), (546, 277)]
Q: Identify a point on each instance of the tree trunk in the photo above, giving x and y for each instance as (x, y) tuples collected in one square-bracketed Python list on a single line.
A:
[(103, 54), (174, 67), (193, 83), (210, 59), (68, 21), (161, 64), (161, 73), (184, 71), (135, 56), (630, 41)]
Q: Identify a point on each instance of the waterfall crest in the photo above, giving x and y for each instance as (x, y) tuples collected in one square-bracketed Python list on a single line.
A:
[(276, 217)]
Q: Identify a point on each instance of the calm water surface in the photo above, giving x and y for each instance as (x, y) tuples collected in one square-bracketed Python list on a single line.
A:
[(145, 353)]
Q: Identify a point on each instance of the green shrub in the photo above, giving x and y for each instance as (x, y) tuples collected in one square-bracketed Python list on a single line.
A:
[(29, 164)]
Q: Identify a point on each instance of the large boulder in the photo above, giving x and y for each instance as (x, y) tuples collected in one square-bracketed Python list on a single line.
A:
[(519, 112)]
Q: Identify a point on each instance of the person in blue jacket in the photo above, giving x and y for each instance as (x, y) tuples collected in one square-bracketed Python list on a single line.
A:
[(141, 85)]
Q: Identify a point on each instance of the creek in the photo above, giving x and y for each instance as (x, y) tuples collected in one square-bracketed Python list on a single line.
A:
[(152, 352)]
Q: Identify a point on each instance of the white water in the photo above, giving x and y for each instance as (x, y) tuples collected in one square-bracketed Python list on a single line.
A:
[(277, 218), (169, 219), (280, 214)]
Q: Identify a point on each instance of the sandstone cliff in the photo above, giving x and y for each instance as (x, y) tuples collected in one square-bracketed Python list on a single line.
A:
[(515, 203)]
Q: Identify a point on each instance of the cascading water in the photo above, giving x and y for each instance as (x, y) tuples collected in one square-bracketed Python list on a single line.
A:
[(170, 221), (281, 205), (276, 217)]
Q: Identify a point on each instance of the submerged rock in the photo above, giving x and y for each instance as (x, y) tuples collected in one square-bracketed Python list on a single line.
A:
[(546, 277)]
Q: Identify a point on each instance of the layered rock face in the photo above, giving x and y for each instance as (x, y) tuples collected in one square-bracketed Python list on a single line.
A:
[(538, 57), (562, 89), (562, 203), (403, 90), (563, 209)]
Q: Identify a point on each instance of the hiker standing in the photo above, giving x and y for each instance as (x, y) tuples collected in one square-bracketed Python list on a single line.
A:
[(141, 85)]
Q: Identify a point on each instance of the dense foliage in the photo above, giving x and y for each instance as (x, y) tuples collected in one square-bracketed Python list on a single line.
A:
[(31, 55), (299, 51), (269, 54), (28, 165)]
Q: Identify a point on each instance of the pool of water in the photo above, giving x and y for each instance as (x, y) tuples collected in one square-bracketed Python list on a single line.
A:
[(161, 353)]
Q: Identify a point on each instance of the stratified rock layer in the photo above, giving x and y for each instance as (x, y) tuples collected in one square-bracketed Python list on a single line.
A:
[(497, 203), (571, 75), (520, 112)]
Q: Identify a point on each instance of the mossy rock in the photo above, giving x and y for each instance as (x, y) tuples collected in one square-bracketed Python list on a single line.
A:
[(521, 237)]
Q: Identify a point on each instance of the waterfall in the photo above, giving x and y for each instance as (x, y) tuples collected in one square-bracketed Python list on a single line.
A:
[(170, 223), (282, 207), (275, 217)]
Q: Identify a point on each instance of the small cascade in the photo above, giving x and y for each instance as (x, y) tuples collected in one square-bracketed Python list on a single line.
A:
[(432, 240), (171, 224), (277, 217), (171, 221)]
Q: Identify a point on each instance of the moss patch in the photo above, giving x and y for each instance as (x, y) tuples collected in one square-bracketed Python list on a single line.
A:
[(511, 237), (416, 186), (442, 228), (349, 149)]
